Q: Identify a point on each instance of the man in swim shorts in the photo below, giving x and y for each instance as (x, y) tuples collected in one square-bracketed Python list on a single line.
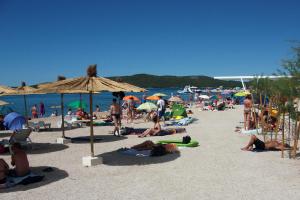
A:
[(261, 146), (115, 112)]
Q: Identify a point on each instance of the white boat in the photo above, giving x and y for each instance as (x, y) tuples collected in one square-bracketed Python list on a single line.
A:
[(189, 89)]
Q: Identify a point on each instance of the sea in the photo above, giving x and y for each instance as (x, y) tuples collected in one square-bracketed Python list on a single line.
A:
[(52, 101)]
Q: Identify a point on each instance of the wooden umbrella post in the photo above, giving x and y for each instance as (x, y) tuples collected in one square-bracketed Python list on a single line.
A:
[(297, 131), (26, 111), (283, 123), (91, 124), (62, 115)]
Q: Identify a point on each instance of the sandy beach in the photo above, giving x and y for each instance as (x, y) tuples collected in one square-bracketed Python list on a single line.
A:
[(217, 169)]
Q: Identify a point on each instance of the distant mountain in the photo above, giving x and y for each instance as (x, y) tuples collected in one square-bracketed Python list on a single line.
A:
[(153, 81)]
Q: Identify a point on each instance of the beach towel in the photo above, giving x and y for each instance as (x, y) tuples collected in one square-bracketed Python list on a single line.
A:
[(133, 152), (179, 143), (24, 180), (138, 131), (252, 132)]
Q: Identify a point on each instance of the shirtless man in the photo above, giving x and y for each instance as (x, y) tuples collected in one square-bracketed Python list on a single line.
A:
[(19, 160), (260, 145), (115, 112), (247, 111), (3, 171)]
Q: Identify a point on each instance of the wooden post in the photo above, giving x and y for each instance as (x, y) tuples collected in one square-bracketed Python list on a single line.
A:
[(80, 100), (297, 131), (26, 110), (62, 115), (283, 123), (91, 125)]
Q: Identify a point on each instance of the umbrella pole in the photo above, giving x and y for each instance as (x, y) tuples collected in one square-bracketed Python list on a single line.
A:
[(80, 100), (62, 115), (91, 125), (26, 111)]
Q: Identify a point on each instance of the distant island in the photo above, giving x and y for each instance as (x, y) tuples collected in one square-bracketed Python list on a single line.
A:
[(153, 81)]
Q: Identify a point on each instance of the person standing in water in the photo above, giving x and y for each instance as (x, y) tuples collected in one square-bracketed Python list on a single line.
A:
[(42, 109)]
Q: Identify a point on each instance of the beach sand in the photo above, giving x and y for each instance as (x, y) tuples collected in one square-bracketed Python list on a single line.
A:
[(217, 169)]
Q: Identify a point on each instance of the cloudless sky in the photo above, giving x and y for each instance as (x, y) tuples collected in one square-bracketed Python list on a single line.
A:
[(40, 39)]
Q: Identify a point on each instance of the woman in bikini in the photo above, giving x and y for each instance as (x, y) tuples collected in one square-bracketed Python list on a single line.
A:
[(247, 111)]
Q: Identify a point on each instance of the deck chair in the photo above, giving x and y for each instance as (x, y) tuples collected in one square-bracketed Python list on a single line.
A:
[(20, 136), (33, 126), (43, 125), (67, 124)]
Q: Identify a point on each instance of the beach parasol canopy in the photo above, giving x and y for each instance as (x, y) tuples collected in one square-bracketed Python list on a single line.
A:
[(153, 98), (241, 94), (131, 96), (14, 121), (203, 96), (148, 106), (77, 104), (176, 99), (3, 103), (159, 94), (90, 83)]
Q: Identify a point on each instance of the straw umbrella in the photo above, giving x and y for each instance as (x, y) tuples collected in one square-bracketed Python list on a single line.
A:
[(22, 90), (91, 84), (3, 103), (60, 80)]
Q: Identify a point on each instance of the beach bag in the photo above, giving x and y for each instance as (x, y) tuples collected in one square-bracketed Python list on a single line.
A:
[(186, 139)]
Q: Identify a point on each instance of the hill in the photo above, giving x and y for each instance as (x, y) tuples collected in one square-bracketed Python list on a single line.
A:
[(153, 81)]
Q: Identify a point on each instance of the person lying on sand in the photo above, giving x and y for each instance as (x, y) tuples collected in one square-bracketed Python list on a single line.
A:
[(3, 171), (260, 145), (156, 130), (156, 149), (19, 160)]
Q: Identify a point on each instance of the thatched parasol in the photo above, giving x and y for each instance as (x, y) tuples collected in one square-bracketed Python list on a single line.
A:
[(91, 84), (3, 103), (22, 90)]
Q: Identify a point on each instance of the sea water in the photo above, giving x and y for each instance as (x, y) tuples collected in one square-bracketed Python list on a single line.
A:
[(52, 101)]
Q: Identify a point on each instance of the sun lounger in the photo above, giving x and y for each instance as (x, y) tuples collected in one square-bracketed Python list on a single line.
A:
[(6, 133), (38, 126), (19, 136)]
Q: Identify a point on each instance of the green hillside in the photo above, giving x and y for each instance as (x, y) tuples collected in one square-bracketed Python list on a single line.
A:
[(152, 81)]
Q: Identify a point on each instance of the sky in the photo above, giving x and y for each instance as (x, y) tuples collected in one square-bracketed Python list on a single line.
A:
[(41, 39)]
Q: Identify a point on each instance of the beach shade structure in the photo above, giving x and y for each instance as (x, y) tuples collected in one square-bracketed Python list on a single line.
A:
[(176, 99), (159, 94), (77, 104), (3, 103), (91, 84), (4, 110), (14, 121), (126, 98), (203, 96), (148, 106), (242, 94), (153, 98), (44, 88), (214, 97), (23, 90)]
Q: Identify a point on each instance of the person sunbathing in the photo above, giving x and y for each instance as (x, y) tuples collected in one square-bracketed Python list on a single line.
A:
[(156, 149), (19, 160), (4, 168), (261, 146)]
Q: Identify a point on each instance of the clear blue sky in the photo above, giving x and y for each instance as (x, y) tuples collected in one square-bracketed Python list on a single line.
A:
[(40, 39)]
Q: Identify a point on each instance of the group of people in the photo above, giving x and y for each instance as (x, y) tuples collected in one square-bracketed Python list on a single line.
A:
[(116, 112), (35, 112), (19, 163)]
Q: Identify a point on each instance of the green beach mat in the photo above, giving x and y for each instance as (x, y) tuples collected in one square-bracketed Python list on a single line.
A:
[(102, 123), (193, 143)]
